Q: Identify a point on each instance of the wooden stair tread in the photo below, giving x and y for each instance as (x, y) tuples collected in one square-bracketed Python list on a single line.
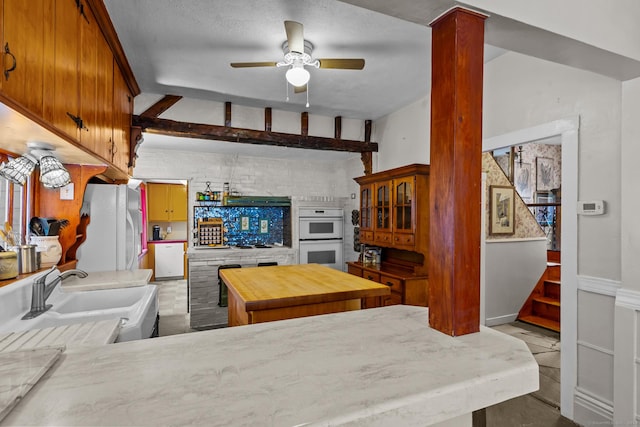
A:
[(542, 322), (547, 300), (555, 282)]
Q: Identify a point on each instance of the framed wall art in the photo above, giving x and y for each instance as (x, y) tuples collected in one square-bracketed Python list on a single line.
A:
[(544, 174), (264, 226), (522, 181), (244, 223), (502, 214), (504, 159)]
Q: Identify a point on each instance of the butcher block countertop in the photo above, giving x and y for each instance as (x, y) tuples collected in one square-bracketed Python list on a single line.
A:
[(375, 367), (262, 288)]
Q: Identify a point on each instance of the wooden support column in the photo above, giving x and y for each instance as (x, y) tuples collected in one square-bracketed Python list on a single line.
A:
[(367, 156), (227, 114), (304, 123), (267, 119), (455, 175)]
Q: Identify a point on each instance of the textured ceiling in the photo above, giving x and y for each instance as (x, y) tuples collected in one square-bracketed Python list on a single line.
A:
[(185, 47)]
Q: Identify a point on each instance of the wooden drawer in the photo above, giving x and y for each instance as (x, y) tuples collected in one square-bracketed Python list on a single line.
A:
[(382, 237), (396, 285), (404, 239), (393, 299), (366, 236), (351, 269), (371, 275)]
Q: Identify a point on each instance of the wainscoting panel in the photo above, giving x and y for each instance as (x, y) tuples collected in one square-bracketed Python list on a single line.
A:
[(627, 358), (594, 393)]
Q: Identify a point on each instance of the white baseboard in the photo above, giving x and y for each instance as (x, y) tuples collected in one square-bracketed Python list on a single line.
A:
[(501, 320)]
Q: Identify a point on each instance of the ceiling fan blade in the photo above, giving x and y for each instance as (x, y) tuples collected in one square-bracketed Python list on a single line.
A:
[(344, 64), (299, 89), (252, 64), (295, 37)]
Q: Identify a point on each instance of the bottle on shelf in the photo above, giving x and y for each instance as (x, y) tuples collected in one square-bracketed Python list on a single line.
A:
[(225, 193)]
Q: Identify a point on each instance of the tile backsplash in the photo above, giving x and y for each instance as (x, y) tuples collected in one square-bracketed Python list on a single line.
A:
[(250, 225)]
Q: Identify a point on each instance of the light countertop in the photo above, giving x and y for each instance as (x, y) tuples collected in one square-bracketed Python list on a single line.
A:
[(107, 280), (26, 356), (374, 367), (20, 371), (92, 333)]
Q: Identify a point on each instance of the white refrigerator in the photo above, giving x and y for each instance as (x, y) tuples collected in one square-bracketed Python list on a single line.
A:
[(114, 233)]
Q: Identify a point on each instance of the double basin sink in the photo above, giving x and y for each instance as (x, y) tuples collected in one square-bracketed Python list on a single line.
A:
[(135, 304)]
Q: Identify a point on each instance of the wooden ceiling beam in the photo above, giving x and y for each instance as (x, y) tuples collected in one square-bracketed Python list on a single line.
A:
[(249, 136), (161, 106)]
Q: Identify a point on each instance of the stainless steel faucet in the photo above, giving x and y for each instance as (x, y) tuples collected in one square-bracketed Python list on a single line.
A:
[(41, 291)]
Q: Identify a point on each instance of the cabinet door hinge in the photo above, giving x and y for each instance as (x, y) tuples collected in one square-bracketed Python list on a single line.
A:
[(83, 14), (80, 7), (78, 121)]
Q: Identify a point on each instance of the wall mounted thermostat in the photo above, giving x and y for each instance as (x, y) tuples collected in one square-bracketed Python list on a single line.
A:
[(592, 207)]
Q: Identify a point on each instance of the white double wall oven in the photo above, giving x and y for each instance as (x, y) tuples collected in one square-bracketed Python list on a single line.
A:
[(321, 232)]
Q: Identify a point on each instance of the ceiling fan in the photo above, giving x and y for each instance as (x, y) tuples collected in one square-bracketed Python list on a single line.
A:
[(297, 55)]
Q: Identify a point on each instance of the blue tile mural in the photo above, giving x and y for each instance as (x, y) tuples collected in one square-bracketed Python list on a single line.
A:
[(249, 225)]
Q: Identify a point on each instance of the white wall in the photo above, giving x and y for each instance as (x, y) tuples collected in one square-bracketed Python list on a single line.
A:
[(513, 267), (520, 92), (618, 29), (403, 136), (627, 305), (630, 229)]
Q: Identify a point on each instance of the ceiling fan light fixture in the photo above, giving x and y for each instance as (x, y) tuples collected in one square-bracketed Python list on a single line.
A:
[(297, 76)]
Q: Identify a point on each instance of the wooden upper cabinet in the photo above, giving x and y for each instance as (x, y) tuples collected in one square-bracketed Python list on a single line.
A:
[(70, 74), (366, 213), (122, 111), (382, 212), (92, 82), (166, 202), (25, 30), (403, 211), (104, 106), (400, 208), (65, 108)]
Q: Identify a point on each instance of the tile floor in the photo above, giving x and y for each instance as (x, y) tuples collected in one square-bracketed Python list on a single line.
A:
[(538, 409)]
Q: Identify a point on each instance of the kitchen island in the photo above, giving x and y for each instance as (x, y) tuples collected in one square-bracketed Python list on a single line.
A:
[(264, 294), (204, 262), (376, 367)]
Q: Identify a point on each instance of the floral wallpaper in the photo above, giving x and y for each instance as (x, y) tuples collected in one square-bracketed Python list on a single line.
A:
[(525, 223), (540, 169)]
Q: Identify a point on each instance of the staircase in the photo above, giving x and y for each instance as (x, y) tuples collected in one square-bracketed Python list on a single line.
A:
[(542, 308)]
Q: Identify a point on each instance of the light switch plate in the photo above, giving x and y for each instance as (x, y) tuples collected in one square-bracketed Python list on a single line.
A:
[(66, 192)]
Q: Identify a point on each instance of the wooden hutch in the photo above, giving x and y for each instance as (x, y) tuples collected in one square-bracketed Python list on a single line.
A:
[(394, 215)]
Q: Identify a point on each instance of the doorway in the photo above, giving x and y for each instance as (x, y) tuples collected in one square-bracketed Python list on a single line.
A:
[(566, 132)]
